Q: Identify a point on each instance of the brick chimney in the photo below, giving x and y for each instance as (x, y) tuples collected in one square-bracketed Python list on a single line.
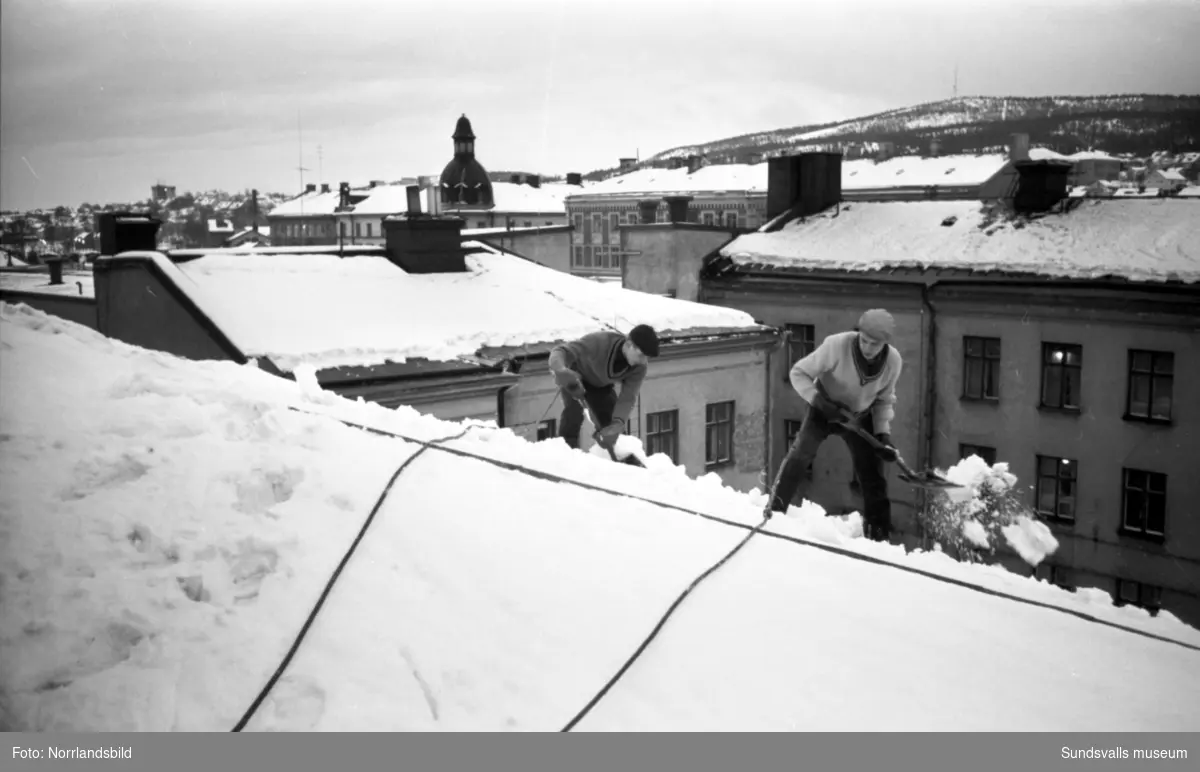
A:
[(533, 180), (693, 163), (422, 243), (324, 187), (126, 232), (886, 150), (807, 182), (648, 210), (574, 178), (343, 195), (676, 163), (1018, 149), (514, 179), (754, 158), (627, 163), (677, 207), (1040, 185), (310, 187)]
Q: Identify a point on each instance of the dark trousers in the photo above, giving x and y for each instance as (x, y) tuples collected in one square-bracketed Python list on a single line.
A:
[(868, 467), (601, 401)]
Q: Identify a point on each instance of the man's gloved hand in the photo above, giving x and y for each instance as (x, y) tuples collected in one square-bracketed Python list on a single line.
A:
[(888, 452), (609, 434), (828, 408), (570, 382)]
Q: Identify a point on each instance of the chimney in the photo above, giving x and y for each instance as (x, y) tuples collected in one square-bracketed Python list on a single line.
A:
[(534, 180), (935, 146), (254, 210), (574, 178), (310, 187), (806, 182), (627, 163), (376, 183), (55, 263), (755, 158), (425, 244), (648, 210), (677, 208), (693, 163), (886, 150), (414, 199), (324, 187), (676, 163), (514, 179), (1040, 185), (343, 195), (126, 232), (1018, 150)]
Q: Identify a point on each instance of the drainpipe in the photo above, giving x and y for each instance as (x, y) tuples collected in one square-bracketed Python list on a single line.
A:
[(500, 393), (928, 412)]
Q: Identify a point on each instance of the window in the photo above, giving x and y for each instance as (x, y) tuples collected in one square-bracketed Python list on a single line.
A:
[(1056, 482), (662, 434), (1144, 503), (1146, 596), (983, 451), (342, 229), (1056, 575), (801, 343), (481, 224), (791, 429), (731, 219), (549, 222), (1061, 366), (708, 218), (633, 218), (577, 219), (547, 429), (614, 220), (718, 434), (370, 227), (597, 224), (1151, 383), (981, 368)]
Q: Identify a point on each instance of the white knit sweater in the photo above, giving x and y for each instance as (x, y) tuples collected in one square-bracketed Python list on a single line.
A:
[(834, 365)]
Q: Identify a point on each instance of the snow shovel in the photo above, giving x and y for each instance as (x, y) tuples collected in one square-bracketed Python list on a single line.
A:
[(926, 479), (631, 459)]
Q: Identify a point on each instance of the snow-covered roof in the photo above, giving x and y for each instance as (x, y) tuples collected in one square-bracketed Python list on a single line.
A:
[(902, 171), (309, 204), (1172, 175), (1146, 240), (1191, 191), (517, 198), (1092, 155), (173, 523), (75, 283), (716, 178), (384, 200), (371, 311)]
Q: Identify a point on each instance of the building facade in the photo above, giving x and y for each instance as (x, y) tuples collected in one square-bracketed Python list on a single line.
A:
[(1054, 337)]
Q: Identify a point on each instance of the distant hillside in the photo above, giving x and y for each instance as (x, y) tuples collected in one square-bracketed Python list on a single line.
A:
[(1136, 124)]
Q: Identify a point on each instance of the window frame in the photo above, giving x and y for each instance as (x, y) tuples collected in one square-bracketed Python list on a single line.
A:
[(655, 434), (1048, 350), (1058, 478), (969, 448), (722, 428), (1151, 376), (1146, 490), (807, 336), (988, 366), (547, 429)]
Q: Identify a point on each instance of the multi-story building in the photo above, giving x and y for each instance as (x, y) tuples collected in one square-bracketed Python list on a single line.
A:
[(1057, 335)]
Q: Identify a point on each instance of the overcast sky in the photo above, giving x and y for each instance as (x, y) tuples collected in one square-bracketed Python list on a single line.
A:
[(103, 98)]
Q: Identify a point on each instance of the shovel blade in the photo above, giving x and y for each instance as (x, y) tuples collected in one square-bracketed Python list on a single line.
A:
[(927, 479)]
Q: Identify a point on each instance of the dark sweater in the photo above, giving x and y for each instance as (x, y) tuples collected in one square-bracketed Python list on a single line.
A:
[(598, 359)]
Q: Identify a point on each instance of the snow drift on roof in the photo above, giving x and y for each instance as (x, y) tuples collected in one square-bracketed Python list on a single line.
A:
[(707, 179), (1143, 240)]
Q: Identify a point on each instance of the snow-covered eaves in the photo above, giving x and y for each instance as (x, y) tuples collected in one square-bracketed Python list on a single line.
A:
[(308, 306), (1139, 240)]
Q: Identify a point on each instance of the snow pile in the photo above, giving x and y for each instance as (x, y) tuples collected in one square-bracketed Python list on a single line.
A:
[(166, 527), (971, 518)]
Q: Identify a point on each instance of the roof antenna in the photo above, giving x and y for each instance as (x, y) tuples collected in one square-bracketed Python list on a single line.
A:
[(302, 170)]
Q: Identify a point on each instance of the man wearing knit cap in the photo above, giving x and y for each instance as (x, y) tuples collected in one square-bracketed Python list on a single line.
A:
[(589, 369), (851, 377)]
